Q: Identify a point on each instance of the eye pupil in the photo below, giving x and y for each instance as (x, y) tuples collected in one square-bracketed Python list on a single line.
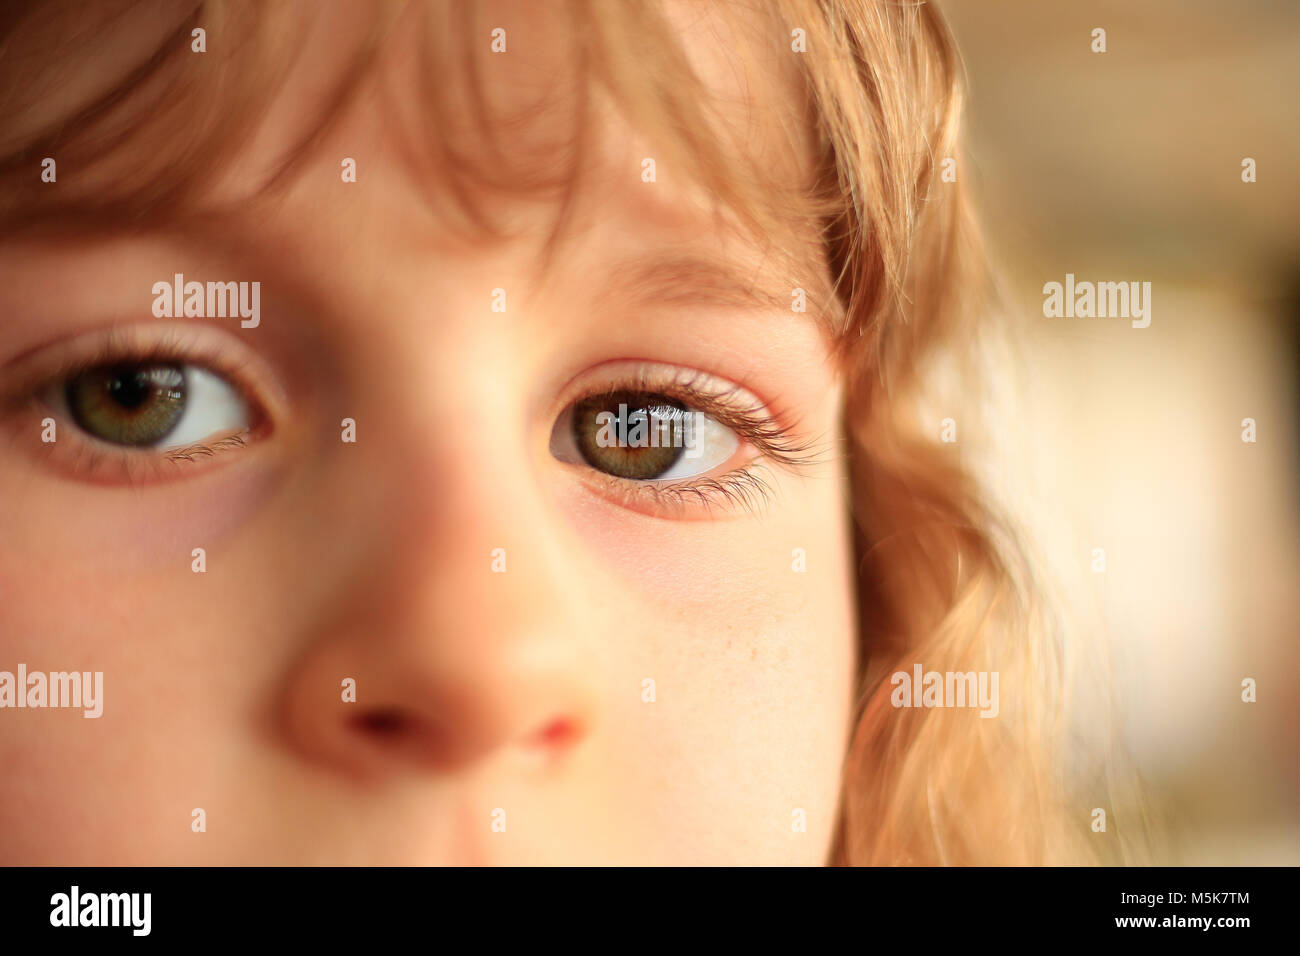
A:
[(130, 388)]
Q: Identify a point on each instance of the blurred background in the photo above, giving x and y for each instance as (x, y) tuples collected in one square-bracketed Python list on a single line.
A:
[(1127, 166)]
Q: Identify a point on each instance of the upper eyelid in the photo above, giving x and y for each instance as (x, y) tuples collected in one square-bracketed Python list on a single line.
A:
[(665, 378), (42, 367)]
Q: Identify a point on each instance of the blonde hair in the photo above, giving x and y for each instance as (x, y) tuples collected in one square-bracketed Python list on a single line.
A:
[(942, 579)]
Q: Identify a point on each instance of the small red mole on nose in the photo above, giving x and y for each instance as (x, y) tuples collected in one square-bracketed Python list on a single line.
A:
[(558, 733)]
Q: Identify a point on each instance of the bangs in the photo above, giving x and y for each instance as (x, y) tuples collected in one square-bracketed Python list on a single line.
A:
[(147, 147), (150, 150)]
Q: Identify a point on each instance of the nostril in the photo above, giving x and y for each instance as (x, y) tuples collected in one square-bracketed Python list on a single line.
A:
[(396, 730), (382, 723), (406, 733)]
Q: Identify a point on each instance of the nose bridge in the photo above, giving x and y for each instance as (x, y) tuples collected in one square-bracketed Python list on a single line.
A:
[(463, 514), (463, 508), (472, 558)]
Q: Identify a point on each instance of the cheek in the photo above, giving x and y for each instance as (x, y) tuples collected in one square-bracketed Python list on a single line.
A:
[(93, 789), (119, 789), (750, 643), (110, 589), (101, 533)]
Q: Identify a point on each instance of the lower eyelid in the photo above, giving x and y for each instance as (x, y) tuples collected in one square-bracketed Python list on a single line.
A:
[(734, 492), (114, 466), (83, 458)]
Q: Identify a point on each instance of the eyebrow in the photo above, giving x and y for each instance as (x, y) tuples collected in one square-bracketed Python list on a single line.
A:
[(701, 281)]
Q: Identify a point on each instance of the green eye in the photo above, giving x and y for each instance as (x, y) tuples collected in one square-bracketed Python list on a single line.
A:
[(629, 434), (128, 404)]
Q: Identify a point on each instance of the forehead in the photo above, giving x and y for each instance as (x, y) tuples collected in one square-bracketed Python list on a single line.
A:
[(524, 115)]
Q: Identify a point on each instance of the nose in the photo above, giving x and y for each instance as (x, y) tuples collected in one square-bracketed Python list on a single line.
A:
[(373, 706), (454, 635)]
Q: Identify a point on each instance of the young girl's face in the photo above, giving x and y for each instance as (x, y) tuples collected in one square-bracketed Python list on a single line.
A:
[(559, 652)]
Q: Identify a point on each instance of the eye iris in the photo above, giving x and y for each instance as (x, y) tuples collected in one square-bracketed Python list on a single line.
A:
[(634, 435), (128, 404)]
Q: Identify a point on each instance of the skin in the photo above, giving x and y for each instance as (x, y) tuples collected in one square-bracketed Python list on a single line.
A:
[(476, 690)]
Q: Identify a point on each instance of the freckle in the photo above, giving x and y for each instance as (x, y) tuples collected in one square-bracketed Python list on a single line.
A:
[(753, 653)]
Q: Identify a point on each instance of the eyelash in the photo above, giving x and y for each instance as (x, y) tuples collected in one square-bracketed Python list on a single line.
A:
[(742, 489), (746, 488), (93, 458)]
